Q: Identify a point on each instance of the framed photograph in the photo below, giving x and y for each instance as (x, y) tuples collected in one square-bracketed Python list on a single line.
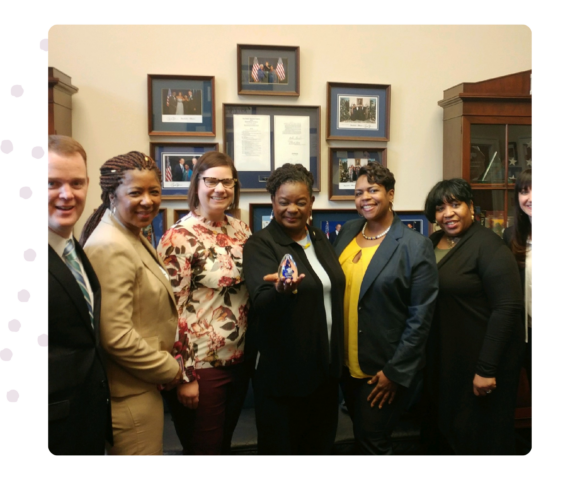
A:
[(181, 105), (328, 219), (176, 161), (358, 111), (268, 70), (416, 220), (344, 165), (155, 231), (260, 216), (261, 138)]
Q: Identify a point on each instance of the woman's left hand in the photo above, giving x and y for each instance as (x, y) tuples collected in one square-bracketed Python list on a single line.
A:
[(384, 390), (483, 386), (284, 286)]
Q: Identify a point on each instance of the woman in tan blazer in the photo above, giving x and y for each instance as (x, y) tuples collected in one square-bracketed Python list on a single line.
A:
[(138, 312)]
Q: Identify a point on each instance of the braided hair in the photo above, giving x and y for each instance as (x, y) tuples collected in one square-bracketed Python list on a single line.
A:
[(289, 173), (112, 173)]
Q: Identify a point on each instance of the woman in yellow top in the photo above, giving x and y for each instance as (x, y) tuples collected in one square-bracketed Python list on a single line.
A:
[(391, 289)]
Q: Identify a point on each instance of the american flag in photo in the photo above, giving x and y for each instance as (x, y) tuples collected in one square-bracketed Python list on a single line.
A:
[(168, 176), (255, 69), (280, 69)]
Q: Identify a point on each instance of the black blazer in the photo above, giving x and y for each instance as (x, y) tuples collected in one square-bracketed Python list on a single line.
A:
[(396, 302), (79, 410), (290, 331)]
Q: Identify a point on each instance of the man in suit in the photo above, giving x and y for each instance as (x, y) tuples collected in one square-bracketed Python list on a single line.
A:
[(172, 103), (332, 236), (178, 173), (79, 411)]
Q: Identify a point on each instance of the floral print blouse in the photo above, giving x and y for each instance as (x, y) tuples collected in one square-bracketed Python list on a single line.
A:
[(204, 262)]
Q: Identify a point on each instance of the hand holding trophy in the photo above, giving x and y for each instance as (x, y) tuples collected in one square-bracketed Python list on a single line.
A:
[(287, 278)]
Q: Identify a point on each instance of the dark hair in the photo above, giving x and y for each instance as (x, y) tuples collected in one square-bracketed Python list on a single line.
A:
[(65, 146), (112, 173), (378, 174), (447, 191), (522, 224), (205, 162), (289, 173)]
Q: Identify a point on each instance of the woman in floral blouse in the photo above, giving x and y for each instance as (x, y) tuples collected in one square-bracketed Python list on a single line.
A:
[(203, 255)]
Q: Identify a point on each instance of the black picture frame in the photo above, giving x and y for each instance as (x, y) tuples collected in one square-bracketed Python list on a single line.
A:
[(168, 154), (189, 114), (358, 111), (341, 187), (255, 180), (282, 79), (416, 220)]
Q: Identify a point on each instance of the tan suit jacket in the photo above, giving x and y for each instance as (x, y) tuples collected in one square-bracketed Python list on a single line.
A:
[(138, 312)]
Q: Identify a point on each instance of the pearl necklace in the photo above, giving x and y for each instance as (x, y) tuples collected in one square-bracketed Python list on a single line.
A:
[(373, 238)]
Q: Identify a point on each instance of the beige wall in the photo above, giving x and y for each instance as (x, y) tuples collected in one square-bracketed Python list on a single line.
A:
[(110, 64)]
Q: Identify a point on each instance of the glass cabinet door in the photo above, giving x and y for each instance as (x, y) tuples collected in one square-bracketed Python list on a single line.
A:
[(489, 208), (486, 158), (519, 150)]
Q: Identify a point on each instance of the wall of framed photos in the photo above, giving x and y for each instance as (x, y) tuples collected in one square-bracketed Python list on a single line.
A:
[(110, 65)]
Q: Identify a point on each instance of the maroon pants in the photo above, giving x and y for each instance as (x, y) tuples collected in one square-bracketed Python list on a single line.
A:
[(208, 430)]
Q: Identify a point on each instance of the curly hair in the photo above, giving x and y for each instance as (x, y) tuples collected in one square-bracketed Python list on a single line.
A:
[(112, 173), (378, 174), (289, 173)]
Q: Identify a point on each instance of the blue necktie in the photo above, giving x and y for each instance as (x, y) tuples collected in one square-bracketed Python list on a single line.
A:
[(72, 262)]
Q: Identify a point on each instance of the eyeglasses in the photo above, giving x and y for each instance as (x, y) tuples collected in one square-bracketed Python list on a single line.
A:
[(212, 182)]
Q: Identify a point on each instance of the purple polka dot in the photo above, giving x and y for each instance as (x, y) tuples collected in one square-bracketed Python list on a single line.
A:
[(29, 255), (44, 44), (12, 396), (43, 340), (6, 146), (26, 193), (23, 295), (17, 90), (13, 325), (38, 152), (5, 354)]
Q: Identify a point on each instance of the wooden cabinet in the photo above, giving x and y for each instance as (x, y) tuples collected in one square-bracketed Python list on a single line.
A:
[(60, 92), (487, 141)]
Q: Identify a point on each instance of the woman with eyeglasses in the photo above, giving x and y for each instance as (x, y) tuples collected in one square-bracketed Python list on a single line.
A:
[(203, 256)]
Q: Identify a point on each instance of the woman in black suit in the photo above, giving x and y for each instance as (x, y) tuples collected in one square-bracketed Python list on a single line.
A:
[(518, 238), (391, 280), (477, 339), (296, 324)]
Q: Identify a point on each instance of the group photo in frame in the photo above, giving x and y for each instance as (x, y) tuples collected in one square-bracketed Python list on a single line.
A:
[(358, 111), (176, 162), (181, 105), (261, 138), (344, 165), (268, 70)]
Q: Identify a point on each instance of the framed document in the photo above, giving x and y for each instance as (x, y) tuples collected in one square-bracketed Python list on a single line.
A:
[(176, 162), (268, 70), (344, 165), (358, 111), (261, 138), (181, 105)]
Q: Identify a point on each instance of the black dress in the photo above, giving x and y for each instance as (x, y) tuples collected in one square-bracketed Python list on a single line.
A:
[(477, 328)]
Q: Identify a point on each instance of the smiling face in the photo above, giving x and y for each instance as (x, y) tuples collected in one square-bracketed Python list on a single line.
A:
[(525, 199), (372, 200), (213, 202), (454, 217), (67, 191), (137, 199), (292, 205)]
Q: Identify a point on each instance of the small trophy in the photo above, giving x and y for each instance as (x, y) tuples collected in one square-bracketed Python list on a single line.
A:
[(288, 268)]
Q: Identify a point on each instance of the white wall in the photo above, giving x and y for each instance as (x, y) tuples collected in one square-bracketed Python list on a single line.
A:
[(110, 64)]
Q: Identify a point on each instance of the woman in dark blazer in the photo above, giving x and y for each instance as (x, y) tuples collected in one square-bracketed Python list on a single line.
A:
[(477, 338), (295, 325), (390, 296), (518, 238)]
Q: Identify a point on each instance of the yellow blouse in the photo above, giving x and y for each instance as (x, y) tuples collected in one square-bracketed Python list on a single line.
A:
[(354, 273)]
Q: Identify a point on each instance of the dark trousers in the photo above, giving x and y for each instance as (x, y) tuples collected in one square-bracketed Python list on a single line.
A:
[(297, 425), (208, 430), (372, 426)]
